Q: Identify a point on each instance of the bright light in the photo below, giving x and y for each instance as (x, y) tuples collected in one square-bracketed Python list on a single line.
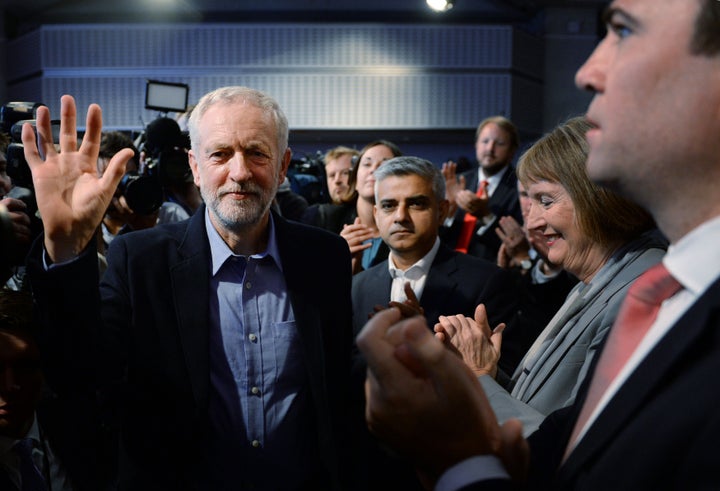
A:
[(440, 5)]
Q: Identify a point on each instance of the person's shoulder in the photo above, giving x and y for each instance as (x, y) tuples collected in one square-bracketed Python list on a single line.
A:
[(306, 234), (464, 260), (371, 273)]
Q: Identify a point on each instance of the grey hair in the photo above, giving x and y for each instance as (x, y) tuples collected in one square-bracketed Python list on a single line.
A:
[(407, 165), (231, 95)]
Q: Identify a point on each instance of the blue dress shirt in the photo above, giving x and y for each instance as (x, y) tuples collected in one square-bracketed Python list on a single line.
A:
[(262, 433)]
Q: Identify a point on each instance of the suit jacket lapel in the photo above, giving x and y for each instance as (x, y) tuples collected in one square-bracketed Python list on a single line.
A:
[(190, 278), (439, 284), (657, 367)]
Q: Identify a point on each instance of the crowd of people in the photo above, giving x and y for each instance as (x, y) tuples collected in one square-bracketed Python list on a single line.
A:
[(541, 321)]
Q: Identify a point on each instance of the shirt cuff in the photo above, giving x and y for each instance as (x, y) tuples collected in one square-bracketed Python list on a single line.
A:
[(474, 469)]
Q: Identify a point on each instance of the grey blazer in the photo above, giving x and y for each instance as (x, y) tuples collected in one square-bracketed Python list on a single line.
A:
[(551, 372)]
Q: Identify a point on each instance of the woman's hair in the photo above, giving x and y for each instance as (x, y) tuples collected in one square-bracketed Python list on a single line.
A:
[(351, 194), (560, 157)]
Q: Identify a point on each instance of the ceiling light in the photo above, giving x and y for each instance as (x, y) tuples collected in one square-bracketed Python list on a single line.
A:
[(440, 5)]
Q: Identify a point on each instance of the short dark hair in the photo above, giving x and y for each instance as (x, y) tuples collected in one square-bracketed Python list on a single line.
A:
[(16, 311), (706, 37), (412, 166)]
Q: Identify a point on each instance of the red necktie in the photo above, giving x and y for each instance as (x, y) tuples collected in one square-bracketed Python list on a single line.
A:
[(468, 225), (637, 314)]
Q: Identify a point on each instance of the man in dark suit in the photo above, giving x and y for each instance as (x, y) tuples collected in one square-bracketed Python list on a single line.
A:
[(473, 215), (410, 206), (656, 425), (220, 348)]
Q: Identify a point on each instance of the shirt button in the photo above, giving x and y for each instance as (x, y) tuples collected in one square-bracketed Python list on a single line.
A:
[(252, 338), (255, 391), (256, 443), (248, 285)]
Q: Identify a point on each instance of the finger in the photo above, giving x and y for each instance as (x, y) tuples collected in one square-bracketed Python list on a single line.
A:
[(409, 293), (68, 124), (496, 337), (30, 149), (373, 339), (482, 321), (514, 450), (93, 133), (44, 136), (447, 326)]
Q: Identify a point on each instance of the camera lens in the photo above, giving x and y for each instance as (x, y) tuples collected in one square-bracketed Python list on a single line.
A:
[(142, 193)]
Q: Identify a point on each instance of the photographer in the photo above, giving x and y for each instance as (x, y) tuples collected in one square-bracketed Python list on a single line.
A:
[(164, 156), (16, 231), (133, 207)]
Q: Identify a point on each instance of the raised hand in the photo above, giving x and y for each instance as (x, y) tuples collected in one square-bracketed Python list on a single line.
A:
[(472, 203), (355, 234), (422, 400), (472, 340), (408, 308), (71, 198), (515, 246)]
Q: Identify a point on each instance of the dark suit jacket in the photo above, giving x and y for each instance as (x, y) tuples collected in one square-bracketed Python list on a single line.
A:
[(142, 339), (660, 431), (456, 284), (330, 216), (503, 202)]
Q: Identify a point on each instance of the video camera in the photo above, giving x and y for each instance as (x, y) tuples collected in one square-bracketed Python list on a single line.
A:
[(307, 177), (13, 116), (166, 152)]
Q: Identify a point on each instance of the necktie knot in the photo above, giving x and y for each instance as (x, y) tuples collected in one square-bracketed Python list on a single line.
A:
[(482, 188)]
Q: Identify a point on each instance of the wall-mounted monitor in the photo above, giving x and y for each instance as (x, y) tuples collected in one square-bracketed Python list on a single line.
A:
[(166, 96)]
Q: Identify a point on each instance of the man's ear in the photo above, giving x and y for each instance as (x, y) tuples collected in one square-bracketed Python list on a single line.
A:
[(194, 167), (285, 164)]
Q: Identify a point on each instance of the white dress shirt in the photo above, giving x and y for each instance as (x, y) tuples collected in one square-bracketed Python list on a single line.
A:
[(695, 262)]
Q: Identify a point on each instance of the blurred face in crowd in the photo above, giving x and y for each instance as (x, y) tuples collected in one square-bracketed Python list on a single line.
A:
[(338, 175), (238, 166), (370, 161), (639, 129), (493, 149), (5, 181), (524, 199), (408, 216), (20, 382), (552, 213)]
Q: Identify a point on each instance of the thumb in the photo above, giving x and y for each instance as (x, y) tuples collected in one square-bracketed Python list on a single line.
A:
[(496, 337), (514, 450), (115, 170)]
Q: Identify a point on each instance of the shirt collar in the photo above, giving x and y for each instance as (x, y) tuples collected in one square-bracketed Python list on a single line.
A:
[(422, 266), (695, 259), (220, 252), (7, 443), (494, 179)]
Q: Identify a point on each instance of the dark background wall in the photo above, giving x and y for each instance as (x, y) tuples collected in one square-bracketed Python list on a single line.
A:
[(343, 76)]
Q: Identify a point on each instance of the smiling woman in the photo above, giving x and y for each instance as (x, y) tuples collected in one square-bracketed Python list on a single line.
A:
[(603, 239)]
